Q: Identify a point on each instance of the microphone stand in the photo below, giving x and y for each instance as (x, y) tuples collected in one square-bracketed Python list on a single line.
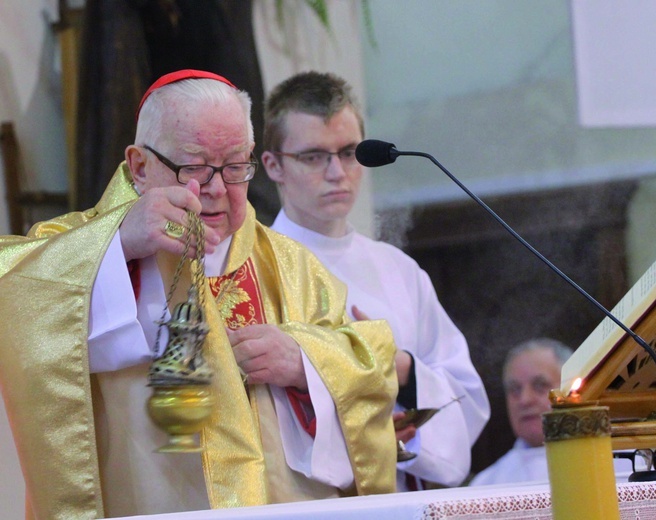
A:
[(393, 153)]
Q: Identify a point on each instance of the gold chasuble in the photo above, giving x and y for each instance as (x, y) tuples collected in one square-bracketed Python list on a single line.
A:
[(46, 281)]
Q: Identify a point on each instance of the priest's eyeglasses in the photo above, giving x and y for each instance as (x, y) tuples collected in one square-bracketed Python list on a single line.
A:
[(317, 161), (232, 173), (642, 460)]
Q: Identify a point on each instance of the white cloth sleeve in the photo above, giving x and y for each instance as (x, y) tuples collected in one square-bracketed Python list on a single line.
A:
[(121, 331), (443, 368), (324, 458)]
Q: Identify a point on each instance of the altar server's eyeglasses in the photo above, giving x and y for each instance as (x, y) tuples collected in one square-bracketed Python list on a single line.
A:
[(317, 161), (642, 460)]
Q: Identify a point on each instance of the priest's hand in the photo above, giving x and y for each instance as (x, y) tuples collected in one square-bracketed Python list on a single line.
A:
[(358, 315), (268, 355), (144, 229), (406, 433)]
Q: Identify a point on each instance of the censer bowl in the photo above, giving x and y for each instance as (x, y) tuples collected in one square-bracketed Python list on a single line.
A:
[(181, 411)]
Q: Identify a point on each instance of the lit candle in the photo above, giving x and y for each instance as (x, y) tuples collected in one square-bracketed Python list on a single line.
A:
[(574, 396), (580, 461)]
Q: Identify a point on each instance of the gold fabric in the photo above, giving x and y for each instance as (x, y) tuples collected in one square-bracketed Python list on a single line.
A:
[(284, 484), (44, 365), (46, 282), (135, 479)]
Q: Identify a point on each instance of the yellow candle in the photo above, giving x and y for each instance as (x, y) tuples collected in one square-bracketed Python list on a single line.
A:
[(580, 461)]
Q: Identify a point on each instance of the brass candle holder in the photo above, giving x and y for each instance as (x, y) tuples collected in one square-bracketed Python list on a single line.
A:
[(182, 400)]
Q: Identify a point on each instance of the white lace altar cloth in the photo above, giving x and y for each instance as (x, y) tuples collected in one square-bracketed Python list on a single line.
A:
[(637, 501)]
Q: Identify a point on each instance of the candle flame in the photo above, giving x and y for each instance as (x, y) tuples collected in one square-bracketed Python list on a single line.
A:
[(576, 385)]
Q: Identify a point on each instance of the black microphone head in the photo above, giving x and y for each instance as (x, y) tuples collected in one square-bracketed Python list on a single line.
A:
[(373, 152)]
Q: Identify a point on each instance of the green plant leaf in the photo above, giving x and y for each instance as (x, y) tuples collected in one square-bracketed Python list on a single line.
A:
[(368, 23), (321, 10)]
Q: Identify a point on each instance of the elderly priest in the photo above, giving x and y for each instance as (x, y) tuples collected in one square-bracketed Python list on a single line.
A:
[(303, 397)]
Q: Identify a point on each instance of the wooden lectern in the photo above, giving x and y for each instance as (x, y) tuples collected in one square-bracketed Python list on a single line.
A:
[(617, 372)]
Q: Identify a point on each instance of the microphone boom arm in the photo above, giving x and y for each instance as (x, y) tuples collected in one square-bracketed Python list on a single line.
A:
[(394, 153)]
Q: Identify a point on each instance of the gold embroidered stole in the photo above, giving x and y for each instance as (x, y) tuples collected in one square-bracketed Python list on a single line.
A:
[(239, 302), (233, 459)]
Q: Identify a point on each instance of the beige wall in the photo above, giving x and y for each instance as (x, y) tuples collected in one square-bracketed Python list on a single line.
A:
[(12, 489), (30, 95)]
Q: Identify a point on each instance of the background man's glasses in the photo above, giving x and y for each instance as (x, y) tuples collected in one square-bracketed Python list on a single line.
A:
[(317, 161), (233, 173), (642, 460)]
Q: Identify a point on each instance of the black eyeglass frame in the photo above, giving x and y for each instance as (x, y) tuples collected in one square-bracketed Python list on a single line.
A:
[(175, 168), (631, 455)]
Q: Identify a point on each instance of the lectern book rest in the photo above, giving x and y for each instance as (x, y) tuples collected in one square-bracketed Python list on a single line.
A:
[(619, 373)]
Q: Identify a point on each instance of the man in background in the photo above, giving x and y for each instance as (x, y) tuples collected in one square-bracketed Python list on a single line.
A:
[(531, 369), (312, 125)]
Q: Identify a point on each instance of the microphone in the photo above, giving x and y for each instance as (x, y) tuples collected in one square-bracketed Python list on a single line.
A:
[(373, 153)]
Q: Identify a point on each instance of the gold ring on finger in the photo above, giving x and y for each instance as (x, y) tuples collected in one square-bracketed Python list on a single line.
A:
[(173, 229)]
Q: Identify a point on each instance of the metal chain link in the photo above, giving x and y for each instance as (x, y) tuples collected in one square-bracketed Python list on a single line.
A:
[(197, 229)]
